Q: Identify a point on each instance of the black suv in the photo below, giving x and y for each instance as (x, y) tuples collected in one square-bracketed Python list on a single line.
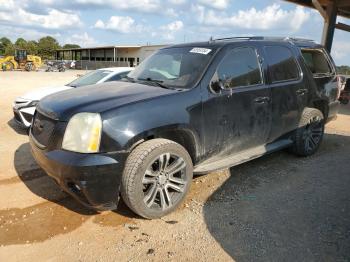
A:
[(190, 108)]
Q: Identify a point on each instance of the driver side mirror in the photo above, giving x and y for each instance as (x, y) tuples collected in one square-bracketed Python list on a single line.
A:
[(217, 86)]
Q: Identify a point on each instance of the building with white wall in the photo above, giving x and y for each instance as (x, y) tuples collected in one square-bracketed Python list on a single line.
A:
[(113, 55)]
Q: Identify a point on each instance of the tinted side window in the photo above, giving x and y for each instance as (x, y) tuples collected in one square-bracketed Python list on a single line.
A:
[(316, 61), (282, 65), (240, 67)]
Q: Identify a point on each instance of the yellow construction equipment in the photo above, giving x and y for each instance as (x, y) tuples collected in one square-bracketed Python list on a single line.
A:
[(20, 61)]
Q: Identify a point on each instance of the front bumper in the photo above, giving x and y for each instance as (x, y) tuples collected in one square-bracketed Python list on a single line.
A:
[(24, 116), (93, 179)]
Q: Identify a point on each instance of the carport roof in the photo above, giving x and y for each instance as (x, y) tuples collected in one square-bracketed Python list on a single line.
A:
[(97, 47), (343, 5), (105, 47)]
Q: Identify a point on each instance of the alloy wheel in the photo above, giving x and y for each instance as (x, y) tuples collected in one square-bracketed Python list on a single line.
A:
[(313, 133), (164, 181)]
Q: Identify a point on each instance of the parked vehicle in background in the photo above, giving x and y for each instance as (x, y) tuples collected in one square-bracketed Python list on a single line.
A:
[(345, 92), (190, 108), (21, 60), (55, 66), (24, 106)]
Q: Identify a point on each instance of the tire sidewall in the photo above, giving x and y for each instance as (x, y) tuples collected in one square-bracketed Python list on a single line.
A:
[(300, 141), (138, 194)]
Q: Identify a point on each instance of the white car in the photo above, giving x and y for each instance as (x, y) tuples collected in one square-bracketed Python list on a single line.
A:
[(24, 106)]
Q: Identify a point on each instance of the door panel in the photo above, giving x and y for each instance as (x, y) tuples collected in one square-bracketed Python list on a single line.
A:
[(239, 117), (288, 90), (286, 104)]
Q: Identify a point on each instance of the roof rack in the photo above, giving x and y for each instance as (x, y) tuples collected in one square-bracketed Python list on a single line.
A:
[(240, 38), (293, 39), (298, 39)]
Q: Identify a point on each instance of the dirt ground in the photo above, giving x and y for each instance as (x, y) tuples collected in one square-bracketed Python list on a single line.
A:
[(276, 208)]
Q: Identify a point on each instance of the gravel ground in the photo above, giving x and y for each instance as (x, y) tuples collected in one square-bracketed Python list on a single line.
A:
[(276, 208)]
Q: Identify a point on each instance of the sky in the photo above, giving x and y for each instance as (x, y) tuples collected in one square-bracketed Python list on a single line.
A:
[(121, 22)]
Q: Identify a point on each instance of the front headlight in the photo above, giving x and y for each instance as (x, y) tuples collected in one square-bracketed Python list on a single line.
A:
[(83, 133)]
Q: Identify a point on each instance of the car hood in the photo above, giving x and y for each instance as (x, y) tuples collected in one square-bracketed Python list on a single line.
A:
[(40, 93), (97, 98)]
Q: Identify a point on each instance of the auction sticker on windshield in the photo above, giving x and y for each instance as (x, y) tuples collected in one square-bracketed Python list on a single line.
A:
[(203, 51)]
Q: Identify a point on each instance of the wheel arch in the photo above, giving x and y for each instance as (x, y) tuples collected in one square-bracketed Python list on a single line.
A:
[(179, 134), (322, 105)]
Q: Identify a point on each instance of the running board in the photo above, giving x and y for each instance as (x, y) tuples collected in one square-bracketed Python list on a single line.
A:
[(242, 157)]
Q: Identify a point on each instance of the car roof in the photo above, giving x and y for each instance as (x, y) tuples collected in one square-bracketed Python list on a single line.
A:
[(117, 69), (299, 42)]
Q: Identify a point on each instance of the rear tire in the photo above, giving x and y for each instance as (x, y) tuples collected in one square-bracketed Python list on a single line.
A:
[(29, 67), (309, 135), (156, 178)]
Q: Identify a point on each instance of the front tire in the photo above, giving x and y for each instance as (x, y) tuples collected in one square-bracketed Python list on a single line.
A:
[(9, 66), (156, 178), (309, 135)]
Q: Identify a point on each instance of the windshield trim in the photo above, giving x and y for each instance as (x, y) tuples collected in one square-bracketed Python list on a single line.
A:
[(215, 49), (200, 78)]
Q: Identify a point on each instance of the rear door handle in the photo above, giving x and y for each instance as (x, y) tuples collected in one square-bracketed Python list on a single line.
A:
[(301, 92), (261, 100)]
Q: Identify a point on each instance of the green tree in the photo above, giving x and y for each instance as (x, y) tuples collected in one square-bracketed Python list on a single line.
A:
[(4, 42), (32, 48), (343, 70), (70, 46), (9, 50), (21, 43), (46, 47)]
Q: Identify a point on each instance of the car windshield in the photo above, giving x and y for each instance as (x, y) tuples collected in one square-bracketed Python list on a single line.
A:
[(177, 67), (90, 78)]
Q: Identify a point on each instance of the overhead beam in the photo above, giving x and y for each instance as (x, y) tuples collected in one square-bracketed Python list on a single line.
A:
[(320, 9), (329, 26), (342, 3), (343, 27)]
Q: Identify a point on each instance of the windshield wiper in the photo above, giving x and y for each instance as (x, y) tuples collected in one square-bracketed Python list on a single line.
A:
[(154, 81)]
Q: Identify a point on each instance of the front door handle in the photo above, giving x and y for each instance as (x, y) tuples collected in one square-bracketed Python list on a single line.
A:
[(301, 92), (261, 100)]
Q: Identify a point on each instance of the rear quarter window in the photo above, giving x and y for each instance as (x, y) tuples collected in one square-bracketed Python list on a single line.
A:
[(282, 64), (317, 61)]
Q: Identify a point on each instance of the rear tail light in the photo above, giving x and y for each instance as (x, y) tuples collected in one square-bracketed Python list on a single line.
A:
[(341, 84)]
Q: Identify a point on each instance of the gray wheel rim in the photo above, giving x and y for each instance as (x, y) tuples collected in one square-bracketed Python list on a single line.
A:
[(164, 181), (313, 133)]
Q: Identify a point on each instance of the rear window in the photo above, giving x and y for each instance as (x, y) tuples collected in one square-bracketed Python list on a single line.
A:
[(118, 76), (282, 65), (317, 61), (90, 78)]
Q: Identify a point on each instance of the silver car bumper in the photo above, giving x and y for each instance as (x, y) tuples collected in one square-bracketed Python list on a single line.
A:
[(23, 112)]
